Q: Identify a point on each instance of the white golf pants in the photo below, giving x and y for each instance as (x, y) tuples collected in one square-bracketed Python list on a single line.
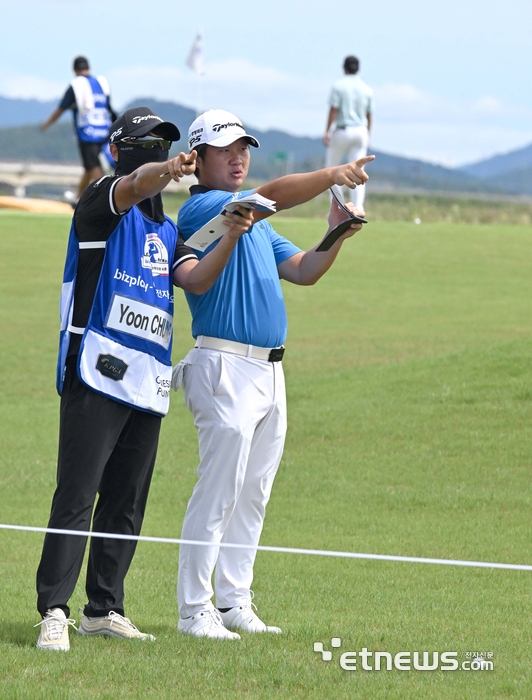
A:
[(239, 408), (350, 143)]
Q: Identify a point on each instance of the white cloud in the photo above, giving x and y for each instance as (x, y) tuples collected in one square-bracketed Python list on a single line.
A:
[(29, 87), (406, 103), (489, 106), (245, 73), (159, 82), (261, 96)]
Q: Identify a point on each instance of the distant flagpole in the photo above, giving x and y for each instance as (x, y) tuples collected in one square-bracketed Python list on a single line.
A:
[(195, 62)]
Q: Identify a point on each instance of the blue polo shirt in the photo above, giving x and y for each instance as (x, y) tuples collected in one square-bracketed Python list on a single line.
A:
[(246, 302)]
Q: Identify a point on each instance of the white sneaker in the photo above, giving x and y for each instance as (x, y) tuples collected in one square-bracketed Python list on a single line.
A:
[(113, 625), (206, 623), (54, 630), (244, 618)]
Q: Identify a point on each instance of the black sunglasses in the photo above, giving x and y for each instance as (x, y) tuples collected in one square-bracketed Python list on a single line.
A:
[(147, 142)]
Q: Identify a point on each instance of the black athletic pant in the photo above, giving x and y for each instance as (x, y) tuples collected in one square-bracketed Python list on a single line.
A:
[(109, 449)]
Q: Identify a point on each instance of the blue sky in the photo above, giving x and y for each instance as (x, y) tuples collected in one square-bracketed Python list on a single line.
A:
[(451, 79)]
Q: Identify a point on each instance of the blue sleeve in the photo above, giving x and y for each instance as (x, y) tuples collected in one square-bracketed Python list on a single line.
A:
[(282, 247), (69, 99)]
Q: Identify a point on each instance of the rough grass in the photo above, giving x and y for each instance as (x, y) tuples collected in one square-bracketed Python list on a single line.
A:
[(410, 405)]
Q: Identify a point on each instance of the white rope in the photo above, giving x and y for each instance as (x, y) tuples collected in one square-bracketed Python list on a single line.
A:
[(284, 550)]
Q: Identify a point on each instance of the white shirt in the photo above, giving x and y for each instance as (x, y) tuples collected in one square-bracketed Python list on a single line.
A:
[(353, 99)]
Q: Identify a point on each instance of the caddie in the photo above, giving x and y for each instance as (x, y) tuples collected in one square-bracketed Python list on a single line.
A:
[(89, 98), (114, 370)]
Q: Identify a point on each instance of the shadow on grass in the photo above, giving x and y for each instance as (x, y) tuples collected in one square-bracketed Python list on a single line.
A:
[(19, 634)]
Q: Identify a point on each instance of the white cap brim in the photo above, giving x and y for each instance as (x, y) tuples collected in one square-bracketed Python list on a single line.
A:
[(228, 139)]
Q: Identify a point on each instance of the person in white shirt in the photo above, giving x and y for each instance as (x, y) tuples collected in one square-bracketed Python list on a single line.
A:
[(351, 107)]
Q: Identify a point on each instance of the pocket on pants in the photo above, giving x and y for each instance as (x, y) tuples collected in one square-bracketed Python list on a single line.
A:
[(202, 379), (216, 372)]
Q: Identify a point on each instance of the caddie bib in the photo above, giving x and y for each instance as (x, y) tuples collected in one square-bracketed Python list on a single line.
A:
[(93, 118), (126, 346)]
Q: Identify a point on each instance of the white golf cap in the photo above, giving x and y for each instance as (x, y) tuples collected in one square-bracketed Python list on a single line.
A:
[(217, 128)]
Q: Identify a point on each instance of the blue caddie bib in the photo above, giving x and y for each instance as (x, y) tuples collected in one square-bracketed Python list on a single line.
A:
[(93, 118), (127, 344)]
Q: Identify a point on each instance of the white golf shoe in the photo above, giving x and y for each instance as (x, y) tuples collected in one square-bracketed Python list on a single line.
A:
[(244, 618), (54, 631), (113, 625), (207, 623)]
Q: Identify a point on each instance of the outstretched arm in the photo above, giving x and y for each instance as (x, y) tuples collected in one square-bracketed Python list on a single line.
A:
[(307, 268), (333, 113), (54, 116), (152, 178), (291, 190), (198, 276)]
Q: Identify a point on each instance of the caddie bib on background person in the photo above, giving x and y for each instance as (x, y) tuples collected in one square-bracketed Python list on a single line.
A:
[(92, 118)]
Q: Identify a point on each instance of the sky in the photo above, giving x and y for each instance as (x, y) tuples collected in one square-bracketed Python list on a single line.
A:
[(451, 80)]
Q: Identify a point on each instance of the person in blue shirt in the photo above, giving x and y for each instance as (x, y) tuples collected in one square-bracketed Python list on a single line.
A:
[(89, 98), (233, 379)]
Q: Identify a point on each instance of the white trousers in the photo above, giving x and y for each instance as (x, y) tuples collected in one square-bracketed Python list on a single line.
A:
[(350, 143), (239, 408)]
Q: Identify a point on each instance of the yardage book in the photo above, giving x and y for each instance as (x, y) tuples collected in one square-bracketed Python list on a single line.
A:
[(215, 228), (342, 227)]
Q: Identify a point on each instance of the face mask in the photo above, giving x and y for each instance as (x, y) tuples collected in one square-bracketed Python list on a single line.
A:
[(132, 157)]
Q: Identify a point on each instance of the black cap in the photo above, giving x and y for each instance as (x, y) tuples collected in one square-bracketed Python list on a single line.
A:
[(81, 63), (139, 121), (351, 64)]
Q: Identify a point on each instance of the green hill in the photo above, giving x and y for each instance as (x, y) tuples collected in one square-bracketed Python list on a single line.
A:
[(279, 153)]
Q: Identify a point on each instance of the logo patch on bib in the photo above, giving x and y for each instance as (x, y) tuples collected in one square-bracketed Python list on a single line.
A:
[(155, 256), (111, 367)]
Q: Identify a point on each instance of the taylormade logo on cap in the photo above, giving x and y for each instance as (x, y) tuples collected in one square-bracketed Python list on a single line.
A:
[(228, 125), (138, 120), (218, 128)]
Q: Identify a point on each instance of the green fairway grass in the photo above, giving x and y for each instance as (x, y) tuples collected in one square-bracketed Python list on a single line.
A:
[(409, 380)]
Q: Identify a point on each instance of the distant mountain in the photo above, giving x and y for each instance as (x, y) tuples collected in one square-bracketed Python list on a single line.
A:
[(28, 143), (516, 181), (15, 112), (280, 152), (497, 165), (407, 173), (511, 171), (20, 139)]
